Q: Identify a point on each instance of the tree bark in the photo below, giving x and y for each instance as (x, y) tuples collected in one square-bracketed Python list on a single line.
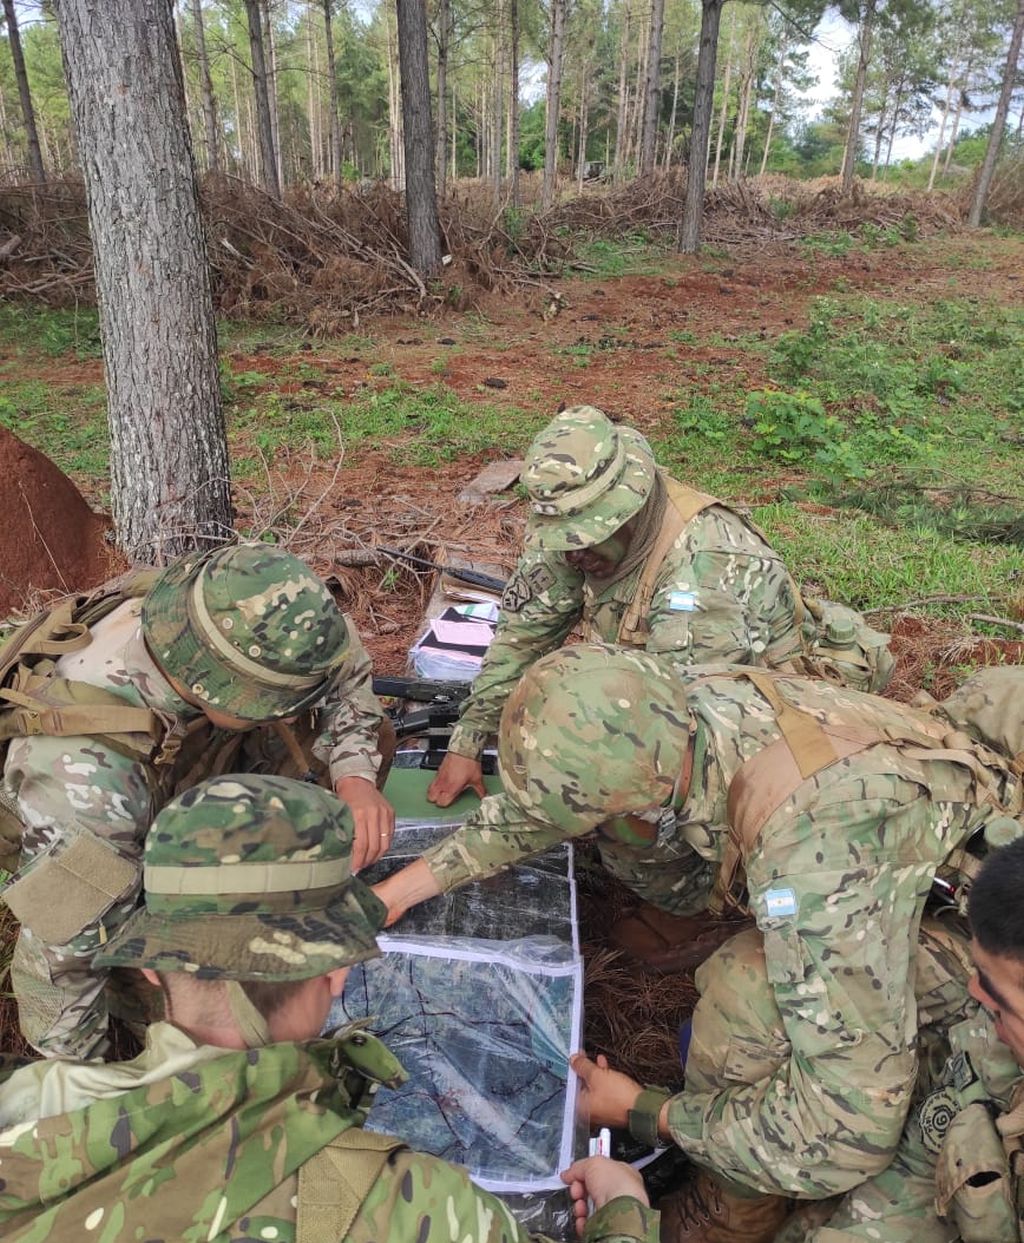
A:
[(652, 92), (725, 100), (312, 77), (623, 108), (672, 118), (168, 452), (395, 132), (206, 85), (334, 113), (270, 43), (264, 123), (28, 113), (696, 174), (444, 10), (513, 103), (553, 102), (581, 155), (420, 192), (776, 104), (988, 165), (853, 134)]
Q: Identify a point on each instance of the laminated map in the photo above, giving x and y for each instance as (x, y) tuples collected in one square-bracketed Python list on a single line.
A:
[(479, 995)]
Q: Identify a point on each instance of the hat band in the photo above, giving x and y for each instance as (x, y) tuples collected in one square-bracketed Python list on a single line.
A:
[(579, 498), (232, 656), (251, 879)]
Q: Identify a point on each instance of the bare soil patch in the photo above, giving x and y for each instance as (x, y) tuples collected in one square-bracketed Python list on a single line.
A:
[(50, 540)]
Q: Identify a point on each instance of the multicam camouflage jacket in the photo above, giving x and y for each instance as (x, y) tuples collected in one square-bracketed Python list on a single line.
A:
[(63, 788), (200, 1143), (722, 594)]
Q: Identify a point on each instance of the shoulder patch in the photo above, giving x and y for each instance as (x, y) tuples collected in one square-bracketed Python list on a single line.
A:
[(935, 1116), (541, 577), (517, 593)]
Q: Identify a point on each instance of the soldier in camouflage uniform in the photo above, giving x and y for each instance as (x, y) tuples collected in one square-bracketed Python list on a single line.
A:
[(221, 642), (615, 545), (832, 810), (237, 1122)]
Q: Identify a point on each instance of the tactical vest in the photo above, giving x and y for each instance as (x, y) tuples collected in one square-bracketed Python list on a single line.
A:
[(827, 640), (35, 701), (809, 747), (334, 1184)]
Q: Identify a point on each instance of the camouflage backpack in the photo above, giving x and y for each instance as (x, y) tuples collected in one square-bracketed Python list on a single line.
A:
[(34, 700)]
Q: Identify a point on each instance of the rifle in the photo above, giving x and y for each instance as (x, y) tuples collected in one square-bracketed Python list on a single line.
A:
[(476, 578), (434, 722)]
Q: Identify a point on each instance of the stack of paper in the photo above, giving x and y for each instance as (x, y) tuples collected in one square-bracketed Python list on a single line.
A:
[(453, 646)]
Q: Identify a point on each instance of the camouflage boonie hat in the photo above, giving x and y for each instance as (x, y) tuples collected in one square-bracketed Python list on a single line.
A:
[(585, 478), (592, 732), (249, 878), (248, 629)]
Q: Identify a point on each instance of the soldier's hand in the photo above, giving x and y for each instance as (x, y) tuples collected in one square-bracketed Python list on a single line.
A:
[(600, 1180), (373, 819), (457, 773), (607, 1094)]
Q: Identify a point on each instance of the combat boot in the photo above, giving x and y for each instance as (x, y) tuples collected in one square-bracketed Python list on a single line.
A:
[(706, 1212)]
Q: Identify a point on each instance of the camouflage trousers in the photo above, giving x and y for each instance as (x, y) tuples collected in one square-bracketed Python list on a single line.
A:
[(738, 1037)]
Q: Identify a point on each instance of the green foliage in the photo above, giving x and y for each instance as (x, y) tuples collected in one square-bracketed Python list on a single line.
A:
[(74, 334), (68, 424)]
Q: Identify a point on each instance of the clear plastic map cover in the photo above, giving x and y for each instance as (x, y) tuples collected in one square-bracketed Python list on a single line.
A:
[(479, 995)]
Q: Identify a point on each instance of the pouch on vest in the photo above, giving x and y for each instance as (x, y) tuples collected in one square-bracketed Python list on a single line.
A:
[(335, 1182), (972, 1179), (840, 647), (66, 892), (34, 701)]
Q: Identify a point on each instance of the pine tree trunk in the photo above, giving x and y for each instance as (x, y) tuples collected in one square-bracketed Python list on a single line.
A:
[(639, 94), (455, 137), (240, 160), (652, 92), (725, 100), (776, 104), (334, 108), (693, 209), (672, 119), (513, 103), (443, 32), (942, 127), (312, 77), (988, 165), (853, 133), (623, 109), (206, 85), (497, 101), (395, 133), (553, 105), (420, 194), (28, 114), (270, 43), (746, 90), (957, 112), (264, 124), (581, 155), (168, 452)]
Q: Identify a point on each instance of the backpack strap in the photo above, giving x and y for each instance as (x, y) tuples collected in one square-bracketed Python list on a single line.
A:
[(808, 747), (684, 504), (334, 1184)]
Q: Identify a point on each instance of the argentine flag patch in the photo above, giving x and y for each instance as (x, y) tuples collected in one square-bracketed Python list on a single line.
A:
[(682, 601), (778, 903)]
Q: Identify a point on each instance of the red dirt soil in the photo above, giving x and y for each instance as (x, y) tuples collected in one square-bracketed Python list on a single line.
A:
[(50, 540)]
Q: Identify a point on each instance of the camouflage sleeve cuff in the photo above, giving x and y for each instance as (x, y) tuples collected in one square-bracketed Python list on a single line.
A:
[(467, 741), (364, 766), (623, 1220)]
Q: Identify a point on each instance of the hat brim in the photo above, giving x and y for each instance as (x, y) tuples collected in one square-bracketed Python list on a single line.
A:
[(169, 634), (624, 499), (250, 946)]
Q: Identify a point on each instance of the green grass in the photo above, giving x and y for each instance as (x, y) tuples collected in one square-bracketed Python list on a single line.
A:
[(417, 426), (634, 254), (907, 420), (68, 424)]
